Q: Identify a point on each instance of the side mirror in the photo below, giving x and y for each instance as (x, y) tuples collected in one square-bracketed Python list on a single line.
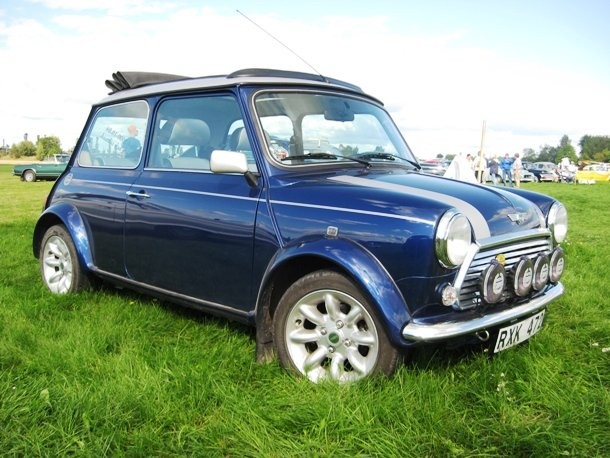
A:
[(222, 161)]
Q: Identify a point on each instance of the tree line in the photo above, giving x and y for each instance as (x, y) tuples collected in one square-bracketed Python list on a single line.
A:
[(592, 148), (44, 146)]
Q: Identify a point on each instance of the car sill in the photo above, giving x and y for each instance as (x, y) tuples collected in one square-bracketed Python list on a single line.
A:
[(211, 307)]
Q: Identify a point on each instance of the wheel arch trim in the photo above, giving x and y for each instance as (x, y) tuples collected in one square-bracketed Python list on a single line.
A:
[(354, 260), (68, 216)]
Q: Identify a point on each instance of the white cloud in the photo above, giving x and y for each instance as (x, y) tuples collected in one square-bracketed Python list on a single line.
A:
[(438, 89), (110, 7)]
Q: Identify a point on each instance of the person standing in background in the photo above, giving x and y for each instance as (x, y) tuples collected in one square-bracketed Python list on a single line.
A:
[(460, 168), (480, 165), (470, 161), (494, 172), (131, 145), (506, 164), (516, 169)]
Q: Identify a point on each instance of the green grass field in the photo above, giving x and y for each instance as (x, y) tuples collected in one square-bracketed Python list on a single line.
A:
[(111, 373)]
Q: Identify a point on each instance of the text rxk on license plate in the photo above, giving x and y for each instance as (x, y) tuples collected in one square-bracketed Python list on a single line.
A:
[(518, 332)]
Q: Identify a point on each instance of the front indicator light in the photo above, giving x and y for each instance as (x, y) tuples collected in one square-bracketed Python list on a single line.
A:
[(541, 272), (492, 282), (556, 265), (521, 275), (449, 295)]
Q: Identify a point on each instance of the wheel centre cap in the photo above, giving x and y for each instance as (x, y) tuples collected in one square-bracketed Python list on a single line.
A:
[(333, 338)]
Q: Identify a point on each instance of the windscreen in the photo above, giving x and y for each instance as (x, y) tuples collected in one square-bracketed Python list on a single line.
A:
[(307, 128)]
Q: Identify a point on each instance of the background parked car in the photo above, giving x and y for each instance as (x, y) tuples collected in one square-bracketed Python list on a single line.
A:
[(544, 171), (526, 176), (593, 172), (434, 167), (50, 169)]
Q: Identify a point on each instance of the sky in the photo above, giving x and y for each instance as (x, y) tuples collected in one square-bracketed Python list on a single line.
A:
[(530, 71)]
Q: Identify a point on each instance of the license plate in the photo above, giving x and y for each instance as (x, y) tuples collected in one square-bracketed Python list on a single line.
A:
[(518, 332)]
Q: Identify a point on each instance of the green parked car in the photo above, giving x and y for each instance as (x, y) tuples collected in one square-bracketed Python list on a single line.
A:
[(50, 169)]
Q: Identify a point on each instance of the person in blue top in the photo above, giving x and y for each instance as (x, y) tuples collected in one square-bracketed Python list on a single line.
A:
[(131, 145), (506, 165)]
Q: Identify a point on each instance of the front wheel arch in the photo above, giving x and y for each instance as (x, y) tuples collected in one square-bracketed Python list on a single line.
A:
[(364, 270), (344, 256)]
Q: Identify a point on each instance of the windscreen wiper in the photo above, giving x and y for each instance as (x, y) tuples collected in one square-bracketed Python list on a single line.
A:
[(389, 157), (326, 156)]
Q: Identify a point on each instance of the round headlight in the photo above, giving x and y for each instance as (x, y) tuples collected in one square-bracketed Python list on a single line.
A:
[(541, 272), (556, 265), (557, 222), (522, 275), (492, 281), (453, 238)]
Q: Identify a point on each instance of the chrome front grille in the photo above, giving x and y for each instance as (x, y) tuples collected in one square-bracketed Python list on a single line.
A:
[(511, 251)]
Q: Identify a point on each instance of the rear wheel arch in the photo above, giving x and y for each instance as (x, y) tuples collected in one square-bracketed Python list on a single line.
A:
[(69, 218), (43, 223), (60, 267)]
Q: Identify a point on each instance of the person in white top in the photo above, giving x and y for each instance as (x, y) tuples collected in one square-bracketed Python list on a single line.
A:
[(517, 168), (460, 168)]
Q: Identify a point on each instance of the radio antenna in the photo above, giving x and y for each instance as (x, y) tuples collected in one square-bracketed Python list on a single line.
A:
[(285, 46)]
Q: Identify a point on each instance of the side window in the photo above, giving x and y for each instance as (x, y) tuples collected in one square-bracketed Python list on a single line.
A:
[(187, 130), (115, 137)]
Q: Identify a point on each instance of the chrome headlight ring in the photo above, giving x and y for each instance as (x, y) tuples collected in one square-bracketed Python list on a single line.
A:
[(557, 222), (453, 238)]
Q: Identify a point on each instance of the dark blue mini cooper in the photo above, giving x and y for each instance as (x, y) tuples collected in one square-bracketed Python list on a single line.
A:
[(291, 202)]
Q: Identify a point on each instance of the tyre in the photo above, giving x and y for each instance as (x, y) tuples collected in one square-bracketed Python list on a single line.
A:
[(325, 328), (29, 176), (59, 265)]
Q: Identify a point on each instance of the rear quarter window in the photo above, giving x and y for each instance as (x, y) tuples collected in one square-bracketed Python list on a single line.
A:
[(115, 136)]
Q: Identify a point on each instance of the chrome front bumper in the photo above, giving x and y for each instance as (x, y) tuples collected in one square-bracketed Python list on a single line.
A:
[(419, 332)]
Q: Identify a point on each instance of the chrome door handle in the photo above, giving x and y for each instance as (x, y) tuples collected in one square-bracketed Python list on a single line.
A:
[(137, 194)]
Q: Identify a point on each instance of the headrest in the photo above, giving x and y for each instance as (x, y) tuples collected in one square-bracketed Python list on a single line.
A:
[(239, 140), (188, 131)]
